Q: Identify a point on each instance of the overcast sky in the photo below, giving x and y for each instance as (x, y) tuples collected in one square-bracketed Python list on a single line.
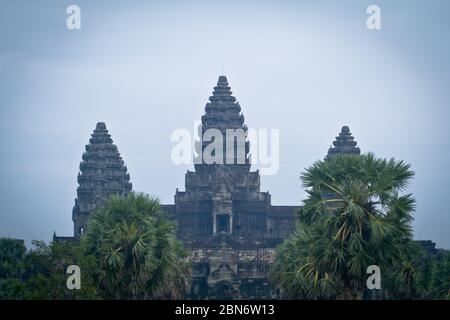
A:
[(146, 69)]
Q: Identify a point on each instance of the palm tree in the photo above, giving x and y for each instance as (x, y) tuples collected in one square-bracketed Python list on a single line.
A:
[(440, 287), (134, 250), (354, 217), (410, 276)]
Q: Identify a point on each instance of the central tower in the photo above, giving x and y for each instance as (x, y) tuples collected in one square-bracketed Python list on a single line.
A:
[(222, 195), (225, 221)]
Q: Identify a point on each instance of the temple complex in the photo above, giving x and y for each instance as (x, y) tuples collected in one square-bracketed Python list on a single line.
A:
[(229, 226)]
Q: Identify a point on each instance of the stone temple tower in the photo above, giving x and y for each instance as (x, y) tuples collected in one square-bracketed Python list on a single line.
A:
[(222, 195), (223, 176), (344, 144), (102, 174), (229, 226)]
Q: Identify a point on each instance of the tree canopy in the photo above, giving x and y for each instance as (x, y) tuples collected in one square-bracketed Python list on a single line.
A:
[(355, 216)]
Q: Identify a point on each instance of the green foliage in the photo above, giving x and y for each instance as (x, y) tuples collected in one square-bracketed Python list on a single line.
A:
[(41, 272), (134, 250), (354, 217), (418, 274), (12, 254), (440, 279), (409, 277), (129, 252)]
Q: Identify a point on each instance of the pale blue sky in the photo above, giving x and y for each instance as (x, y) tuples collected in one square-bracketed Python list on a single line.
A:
[(145, 68)]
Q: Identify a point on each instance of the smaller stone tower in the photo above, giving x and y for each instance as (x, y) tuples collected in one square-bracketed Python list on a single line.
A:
[(102, 174), (344, 144)]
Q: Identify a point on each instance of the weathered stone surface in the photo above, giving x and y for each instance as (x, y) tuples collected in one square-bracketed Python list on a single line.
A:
[(225, 220), (344, 144), (102, 174)]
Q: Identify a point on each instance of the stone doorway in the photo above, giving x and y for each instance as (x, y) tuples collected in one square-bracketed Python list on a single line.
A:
[(223, 223)]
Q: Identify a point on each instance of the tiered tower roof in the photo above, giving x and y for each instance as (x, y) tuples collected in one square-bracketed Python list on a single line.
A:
[(344, 144), (223, 112), (102, 174), (229, 171)]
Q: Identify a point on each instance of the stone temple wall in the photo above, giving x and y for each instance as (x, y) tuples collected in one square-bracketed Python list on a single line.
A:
[(227, 273)]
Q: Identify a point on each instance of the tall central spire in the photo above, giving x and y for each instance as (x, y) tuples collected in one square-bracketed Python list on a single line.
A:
[(218, 192), (223, 113), (222, 92)]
